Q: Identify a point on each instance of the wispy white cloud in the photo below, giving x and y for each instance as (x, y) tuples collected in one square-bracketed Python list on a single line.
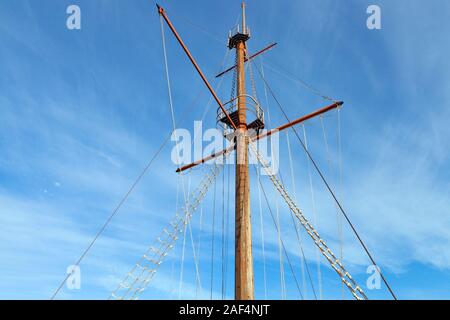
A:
[(72, 144)]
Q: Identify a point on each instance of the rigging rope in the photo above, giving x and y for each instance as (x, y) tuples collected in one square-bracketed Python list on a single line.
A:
[(276, 227), (280, 256), (262, 241), (124, 199), (293, 77), (196, 132), (172, 284), (180, 285), (198, 243), (304, 263), (234, 80), (139, 277), (197, 274), (338, 216), (303, 254), (265, 95), (214, 36), (114, 212), (227, 228), (320, 243), (329, 188), (223, 234), (212, 241), (313, 202), (169, 89), (252, 81), (184, 244), (341, 236)]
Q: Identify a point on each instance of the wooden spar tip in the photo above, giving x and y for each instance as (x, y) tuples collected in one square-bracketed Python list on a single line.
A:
[(339, 103), (160, 9), (212, 156)]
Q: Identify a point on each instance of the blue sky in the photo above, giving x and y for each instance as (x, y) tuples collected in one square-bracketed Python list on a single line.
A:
[(81, 113)]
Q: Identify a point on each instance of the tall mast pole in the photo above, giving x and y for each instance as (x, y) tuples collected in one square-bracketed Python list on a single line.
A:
[(244, 281)]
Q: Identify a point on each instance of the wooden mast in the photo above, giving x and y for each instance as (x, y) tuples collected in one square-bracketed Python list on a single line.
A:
[(244, 281)]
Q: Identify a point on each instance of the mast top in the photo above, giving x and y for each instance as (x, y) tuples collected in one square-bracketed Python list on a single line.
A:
[(243, 16), (239, 33)]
